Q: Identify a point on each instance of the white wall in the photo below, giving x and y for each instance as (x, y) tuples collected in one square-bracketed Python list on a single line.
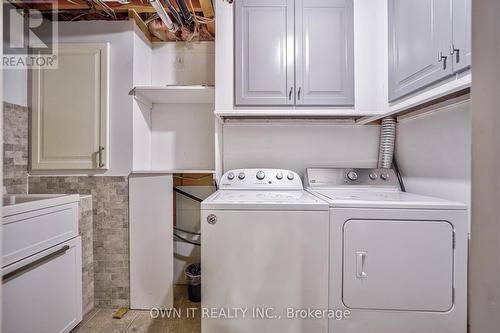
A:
[(183, 137), (298, 146), (142, 126), (485, 235), (183, 63), (433, 151), (15, 88)]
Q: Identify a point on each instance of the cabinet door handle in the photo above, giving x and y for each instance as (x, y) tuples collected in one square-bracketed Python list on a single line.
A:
[(290, 94), (99, 153), (456, 52), (360, 264), (23, 269), (442, 58), (298, 93)]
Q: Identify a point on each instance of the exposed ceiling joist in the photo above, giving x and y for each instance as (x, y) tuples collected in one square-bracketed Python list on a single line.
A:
[(139, 10)]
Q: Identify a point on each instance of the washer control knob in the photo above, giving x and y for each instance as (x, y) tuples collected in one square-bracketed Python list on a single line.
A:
[(241, 176), (352, 175), (290, 176), (373, 176), (279, 176), (260, 175), (230, 176), (385, 176)]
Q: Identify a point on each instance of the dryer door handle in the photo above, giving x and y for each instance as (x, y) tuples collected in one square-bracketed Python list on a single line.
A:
[(360, 264)]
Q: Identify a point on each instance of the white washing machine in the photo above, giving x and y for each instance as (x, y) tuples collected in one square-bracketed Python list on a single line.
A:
[(264, 251), (398, 261)]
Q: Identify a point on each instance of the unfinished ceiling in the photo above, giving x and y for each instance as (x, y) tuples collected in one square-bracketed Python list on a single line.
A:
[(184, 20)]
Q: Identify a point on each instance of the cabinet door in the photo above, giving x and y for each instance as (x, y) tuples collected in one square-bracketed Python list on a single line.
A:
[(398, 265), (49, 286), (264, 73), (324, 52), (70, 110), (419, 42), (461, 48)]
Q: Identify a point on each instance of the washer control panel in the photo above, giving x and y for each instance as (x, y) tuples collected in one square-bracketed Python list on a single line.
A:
[(272, 179), (351, 177)]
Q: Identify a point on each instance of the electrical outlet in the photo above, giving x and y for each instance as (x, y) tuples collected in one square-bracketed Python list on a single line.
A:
[(179, 62)]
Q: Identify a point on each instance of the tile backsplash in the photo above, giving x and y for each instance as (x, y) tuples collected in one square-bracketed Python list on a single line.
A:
[(87, 233), (110, 228), (15, 148)]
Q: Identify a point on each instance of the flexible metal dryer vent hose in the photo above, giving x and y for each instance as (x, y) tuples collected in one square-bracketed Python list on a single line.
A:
[(387, 142)]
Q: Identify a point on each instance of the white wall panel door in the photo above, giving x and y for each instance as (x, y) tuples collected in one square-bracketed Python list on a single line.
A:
[(151, 241), (70, 110), (264, 70), (398, 265), (324, 52), (419, 43)]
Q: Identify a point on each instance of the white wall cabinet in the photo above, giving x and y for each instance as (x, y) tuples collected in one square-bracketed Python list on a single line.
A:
[(461, 48), (429, 40), (70, 110), (294, 52)]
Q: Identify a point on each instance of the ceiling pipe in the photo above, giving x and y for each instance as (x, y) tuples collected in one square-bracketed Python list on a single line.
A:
[(174, 12), (171, 26), (186, 13)]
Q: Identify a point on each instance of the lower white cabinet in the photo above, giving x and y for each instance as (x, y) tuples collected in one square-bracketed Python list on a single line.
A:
[(43, 293)]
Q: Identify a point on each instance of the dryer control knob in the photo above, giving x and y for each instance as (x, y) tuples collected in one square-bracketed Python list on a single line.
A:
[(260, 175), (230, 176), (290, 176), (241, 176), (279, 176), (352, 175), (373, 176), (385, 176)]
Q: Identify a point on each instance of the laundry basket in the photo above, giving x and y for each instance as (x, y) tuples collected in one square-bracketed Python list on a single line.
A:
[(193, 278)]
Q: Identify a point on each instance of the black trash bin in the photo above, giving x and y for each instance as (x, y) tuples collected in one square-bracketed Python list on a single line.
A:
[(193, 278)]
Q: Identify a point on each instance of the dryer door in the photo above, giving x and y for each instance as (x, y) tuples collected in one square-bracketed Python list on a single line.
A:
[(398, 265)]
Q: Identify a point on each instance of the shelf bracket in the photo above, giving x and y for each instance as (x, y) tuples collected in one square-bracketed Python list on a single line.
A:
[(140, 99)]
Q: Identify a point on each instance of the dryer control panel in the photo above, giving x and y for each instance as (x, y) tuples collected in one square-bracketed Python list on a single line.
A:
[(351, 178), (261, 179)]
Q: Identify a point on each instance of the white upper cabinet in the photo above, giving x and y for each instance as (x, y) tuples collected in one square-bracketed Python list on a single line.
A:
[(324, 68), (461, 47), (428, 40), (264, 52), (70, 110), (294, 52)]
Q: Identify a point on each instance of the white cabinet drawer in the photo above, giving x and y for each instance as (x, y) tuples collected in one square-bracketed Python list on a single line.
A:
[(28, 233), (43, 293)]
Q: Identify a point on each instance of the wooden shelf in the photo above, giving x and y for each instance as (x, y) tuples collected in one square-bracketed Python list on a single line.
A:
[(150, 95)]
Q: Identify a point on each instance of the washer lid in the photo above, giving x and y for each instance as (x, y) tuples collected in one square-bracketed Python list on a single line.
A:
[(369, 198), (263, 200)]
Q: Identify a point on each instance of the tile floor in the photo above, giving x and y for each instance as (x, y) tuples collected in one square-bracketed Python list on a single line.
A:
[(101, 320)]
